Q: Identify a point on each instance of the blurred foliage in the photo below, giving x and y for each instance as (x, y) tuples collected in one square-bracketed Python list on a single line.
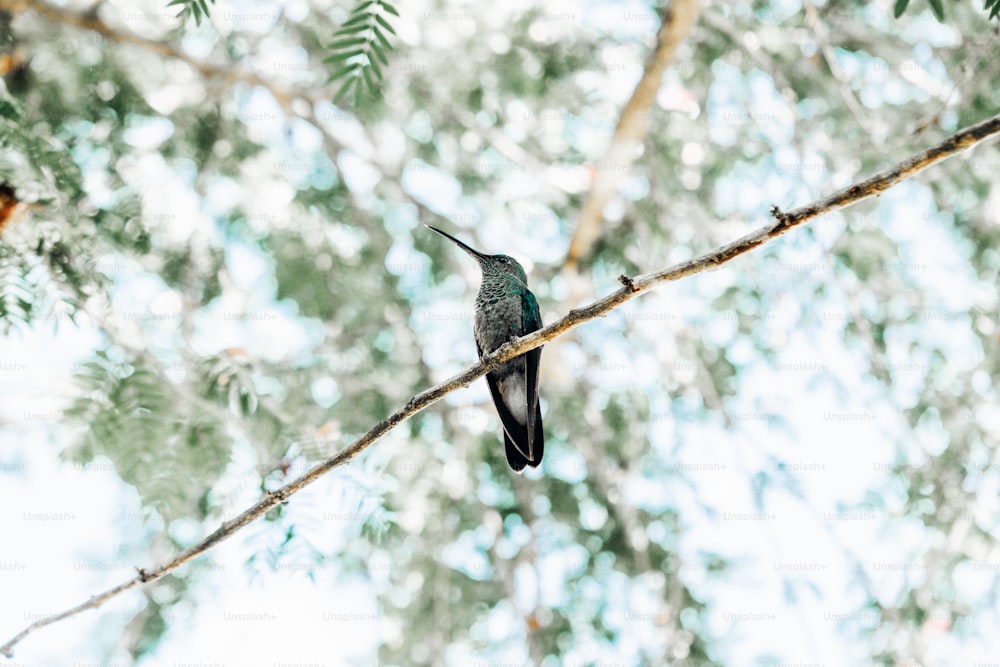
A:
[(123, 404), (253, 258)]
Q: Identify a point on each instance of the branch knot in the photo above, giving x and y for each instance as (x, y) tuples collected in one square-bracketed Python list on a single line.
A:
[(627, 282)]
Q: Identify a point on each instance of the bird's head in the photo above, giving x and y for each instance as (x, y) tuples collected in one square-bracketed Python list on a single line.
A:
[(491, 265)]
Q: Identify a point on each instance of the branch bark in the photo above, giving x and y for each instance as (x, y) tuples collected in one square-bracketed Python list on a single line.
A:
[(631, 288)]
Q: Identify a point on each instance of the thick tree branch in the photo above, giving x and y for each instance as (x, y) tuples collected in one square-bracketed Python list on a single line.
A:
[(633, 124), (632, 287)]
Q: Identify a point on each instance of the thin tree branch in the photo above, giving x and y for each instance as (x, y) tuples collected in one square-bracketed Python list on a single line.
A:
[(727, 27), (633, 124), (839, 75), (92, 21), (631, 287)]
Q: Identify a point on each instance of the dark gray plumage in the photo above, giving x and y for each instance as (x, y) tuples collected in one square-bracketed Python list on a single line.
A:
[(506, 309)]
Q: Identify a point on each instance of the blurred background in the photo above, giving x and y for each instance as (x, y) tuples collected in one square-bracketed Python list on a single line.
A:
[(792, 460)]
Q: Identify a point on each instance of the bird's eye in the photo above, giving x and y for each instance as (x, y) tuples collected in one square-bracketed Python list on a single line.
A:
[(504, 260)]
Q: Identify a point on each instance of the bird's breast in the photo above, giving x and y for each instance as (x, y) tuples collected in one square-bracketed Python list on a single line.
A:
[(497, 322)]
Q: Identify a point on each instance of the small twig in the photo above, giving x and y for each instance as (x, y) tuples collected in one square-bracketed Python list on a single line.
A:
[(627, 282), (90, 20), (839, 75)]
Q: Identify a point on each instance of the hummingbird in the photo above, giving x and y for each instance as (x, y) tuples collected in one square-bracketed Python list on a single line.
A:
[(506, 309)]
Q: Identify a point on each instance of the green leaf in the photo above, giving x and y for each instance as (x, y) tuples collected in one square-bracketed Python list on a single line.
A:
[(380, 52), (359, 18), (385, 24), (344, 89), (196, 8), (900, 7), (367, 72), (335, 58), (8, 110), (937, 8), (345, 43), (342, 72), (373, 65), (354, 29), (383, 41), (389, 8)]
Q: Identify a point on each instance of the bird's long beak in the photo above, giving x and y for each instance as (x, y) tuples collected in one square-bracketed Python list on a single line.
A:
[(475, 253)]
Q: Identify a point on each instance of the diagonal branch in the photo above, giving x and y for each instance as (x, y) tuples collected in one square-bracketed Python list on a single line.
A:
[(632, 287), (632, 126)]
